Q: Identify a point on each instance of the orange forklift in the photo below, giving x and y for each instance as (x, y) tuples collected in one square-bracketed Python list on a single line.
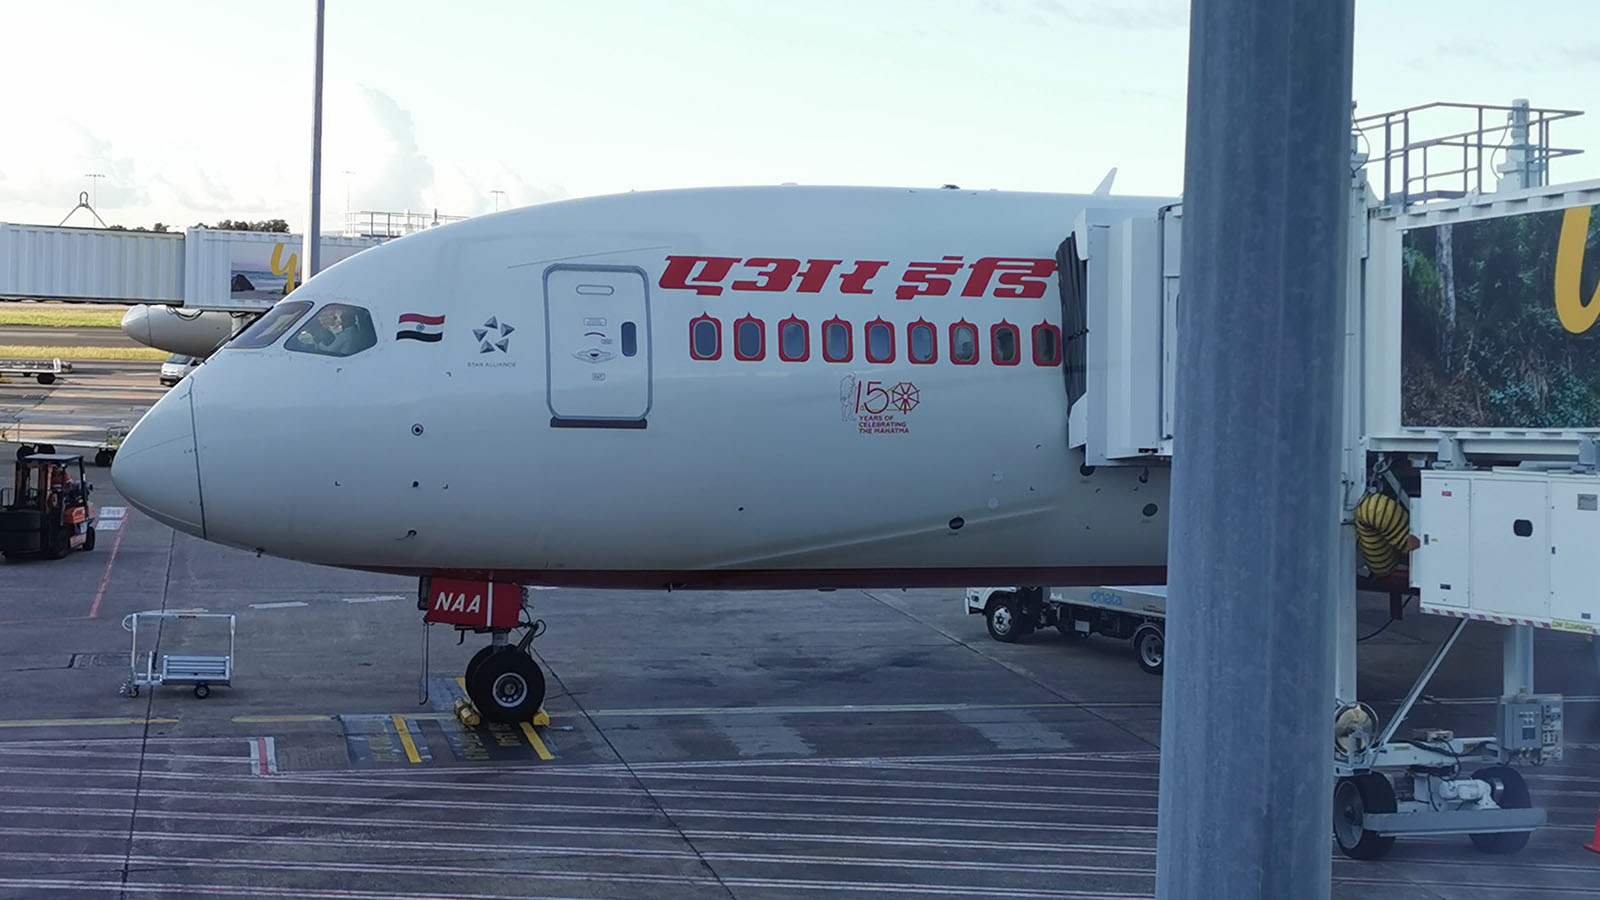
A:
[(46, 511)]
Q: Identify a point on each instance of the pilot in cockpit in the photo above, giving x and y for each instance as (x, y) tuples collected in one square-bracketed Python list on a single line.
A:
[(337, 337)]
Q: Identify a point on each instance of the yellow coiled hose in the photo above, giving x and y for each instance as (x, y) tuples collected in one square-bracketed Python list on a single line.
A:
[(1382, 529)]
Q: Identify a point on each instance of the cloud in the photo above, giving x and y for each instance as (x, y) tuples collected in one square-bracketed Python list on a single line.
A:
[(50, 168), (1125, 15), (372, 150)]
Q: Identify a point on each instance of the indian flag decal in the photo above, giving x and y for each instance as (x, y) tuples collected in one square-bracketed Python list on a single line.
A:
[(418, 327)]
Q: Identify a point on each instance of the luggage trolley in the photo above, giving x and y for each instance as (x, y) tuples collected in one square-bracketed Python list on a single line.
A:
[(201, 671)]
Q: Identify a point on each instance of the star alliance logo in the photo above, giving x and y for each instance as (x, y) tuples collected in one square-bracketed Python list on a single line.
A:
[(494, 335)]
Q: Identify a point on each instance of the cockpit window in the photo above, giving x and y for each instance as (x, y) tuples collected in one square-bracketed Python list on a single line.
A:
[(273, 324), (338, 329)]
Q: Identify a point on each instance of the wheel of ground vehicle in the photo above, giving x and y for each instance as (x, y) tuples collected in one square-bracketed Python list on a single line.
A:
[(58, 544), (1150, 646), (88, 538), (507, 687), (202, 690), (45, 448), (1003, 618), (19, 520), (1511, 792), (24, 451), (102, 458), (1353, 798), (47, 378)]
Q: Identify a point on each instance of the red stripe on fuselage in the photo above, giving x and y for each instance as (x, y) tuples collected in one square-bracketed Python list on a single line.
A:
[(422, 319)]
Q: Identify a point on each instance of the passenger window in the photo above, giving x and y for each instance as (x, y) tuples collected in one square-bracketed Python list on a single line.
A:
[(922, 346), (338, 329), (837, 342), (1005, 344), (750, 339), (964, 343), (705, 338), (273, 324), (1046, 345), (880, 342), (794, 340)]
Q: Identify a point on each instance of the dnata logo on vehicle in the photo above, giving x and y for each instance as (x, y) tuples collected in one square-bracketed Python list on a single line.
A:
[(448, 602)]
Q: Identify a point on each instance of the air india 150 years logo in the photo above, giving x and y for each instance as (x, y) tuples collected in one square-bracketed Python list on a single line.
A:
[(878, 407)]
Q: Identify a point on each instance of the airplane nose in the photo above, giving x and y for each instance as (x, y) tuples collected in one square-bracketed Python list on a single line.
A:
[(157, 470), (136, 324)]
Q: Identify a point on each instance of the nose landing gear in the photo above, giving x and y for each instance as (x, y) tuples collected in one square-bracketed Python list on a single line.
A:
[(503, 681)]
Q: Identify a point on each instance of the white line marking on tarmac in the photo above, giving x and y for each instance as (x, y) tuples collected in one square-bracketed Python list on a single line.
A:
[(283, 604), (386, 598)]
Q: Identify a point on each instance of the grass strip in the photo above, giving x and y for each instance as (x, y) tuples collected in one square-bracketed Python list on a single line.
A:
[(17, 351), (19, 314)]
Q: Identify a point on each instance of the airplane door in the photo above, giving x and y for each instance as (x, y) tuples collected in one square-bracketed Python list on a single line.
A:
[(597, 342)]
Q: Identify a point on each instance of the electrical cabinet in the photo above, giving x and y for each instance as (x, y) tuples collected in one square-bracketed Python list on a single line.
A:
[(1514, 545)]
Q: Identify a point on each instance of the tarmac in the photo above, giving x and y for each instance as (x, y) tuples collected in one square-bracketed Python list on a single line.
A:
[(747, 745)]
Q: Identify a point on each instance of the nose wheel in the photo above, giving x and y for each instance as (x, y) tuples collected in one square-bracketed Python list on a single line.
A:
[(505, 684)]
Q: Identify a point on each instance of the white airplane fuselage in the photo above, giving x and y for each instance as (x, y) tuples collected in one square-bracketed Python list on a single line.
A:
[(561, 425)]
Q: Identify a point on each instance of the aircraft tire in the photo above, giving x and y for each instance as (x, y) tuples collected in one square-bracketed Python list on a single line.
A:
[(1353, 798), (1512, 793), (507, 687), (477, 659)]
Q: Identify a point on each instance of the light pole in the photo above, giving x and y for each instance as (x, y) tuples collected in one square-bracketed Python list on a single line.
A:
[(94, 192), (311, 252), (348, 173), (497, 195)]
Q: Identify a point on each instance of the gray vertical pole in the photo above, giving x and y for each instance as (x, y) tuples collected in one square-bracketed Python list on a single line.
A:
[(311, 252), (1246, 805)]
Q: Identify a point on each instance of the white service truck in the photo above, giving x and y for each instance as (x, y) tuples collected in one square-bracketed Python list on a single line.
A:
[(1136, 613)]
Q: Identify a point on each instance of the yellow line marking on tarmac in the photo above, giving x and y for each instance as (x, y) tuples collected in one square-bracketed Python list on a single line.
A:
[(405, 739), (884, 708), (538, 745), (260, 719), (62, 723)]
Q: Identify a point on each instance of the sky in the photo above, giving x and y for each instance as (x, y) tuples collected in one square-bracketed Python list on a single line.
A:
[(199, 111)]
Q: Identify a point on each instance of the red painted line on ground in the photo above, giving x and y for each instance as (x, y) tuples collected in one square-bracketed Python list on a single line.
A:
[(105, 578), (261, 755)]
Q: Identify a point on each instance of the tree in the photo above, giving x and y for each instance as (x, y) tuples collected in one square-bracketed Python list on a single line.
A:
[(276, 226)]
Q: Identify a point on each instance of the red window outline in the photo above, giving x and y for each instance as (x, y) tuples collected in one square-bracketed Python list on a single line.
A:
[(761, 352), (866, 337), (805, 334), (1045, 326), (717, 323), (849, 341), (994, 343), (977, 350), (933, 343)]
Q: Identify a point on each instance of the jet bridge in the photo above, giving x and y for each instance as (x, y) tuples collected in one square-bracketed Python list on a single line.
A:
[(1471, 418)]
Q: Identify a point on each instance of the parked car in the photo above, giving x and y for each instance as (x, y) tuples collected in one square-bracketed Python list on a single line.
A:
[(173, 370)]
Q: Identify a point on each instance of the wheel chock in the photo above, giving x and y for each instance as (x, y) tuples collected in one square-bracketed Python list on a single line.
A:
[(541, 718), (467, 714)]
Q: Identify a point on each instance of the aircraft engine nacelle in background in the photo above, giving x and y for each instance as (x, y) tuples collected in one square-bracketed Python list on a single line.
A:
[(184, 331)]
